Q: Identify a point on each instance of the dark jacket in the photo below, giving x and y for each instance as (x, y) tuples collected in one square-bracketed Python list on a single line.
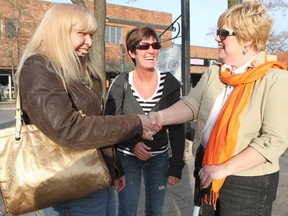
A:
[(48, 106), (176, 134)]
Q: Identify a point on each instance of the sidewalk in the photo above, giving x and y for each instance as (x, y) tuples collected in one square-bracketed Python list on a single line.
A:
[(7, 114), (7, 105)]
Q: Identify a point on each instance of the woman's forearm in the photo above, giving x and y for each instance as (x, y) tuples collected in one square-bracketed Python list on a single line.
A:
[(246, 159), (176, 114)]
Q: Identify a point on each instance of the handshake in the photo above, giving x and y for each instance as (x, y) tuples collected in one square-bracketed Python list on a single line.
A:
[(151, 123)]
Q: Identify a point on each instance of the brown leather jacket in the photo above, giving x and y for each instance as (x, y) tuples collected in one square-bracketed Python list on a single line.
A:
[(46, 104)]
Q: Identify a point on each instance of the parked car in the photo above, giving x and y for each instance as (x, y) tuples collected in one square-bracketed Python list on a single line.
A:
[(1, 91), (6, 92)]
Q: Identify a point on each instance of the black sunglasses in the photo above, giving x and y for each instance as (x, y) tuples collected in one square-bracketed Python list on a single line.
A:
[(146, 46), (223, 34)]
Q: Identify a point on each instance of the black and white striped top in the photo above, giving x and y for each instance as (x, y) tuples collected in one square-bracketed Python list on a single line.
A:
[(147, 105)]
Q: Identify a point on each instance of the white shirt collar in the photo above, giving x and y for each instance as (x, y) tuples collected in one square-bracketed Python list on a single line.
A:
[(239, 70)]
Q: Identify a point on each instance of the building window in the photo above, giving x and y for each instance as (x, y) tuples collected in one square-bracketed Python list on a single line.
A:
[(11, 28), (113, 34)]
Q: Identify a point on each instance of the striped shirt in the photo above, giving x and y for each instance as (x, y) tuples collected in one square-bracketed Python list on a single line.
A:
[(147, 105)]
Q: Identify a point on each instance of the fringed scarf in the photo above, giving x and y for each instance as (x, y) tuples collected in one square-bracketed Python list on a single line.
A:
[(223, 138)]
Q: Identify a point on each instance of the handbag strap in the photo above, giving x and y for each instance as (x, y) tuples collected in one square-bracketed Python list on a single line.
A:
[(125, 86), (18, 116)]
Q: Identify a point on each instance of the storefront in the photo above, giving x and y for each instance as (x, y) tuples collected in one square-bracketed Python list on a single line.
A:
[(7, 90)]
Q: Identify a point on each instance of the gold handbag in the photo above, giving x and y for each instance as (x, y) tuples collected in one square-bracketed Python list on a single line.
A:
[(36, 173)]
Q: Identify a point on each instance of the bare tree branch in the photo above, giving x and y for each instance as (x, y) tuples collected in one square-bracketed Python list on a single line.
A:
[(277, 43), (274, 5)]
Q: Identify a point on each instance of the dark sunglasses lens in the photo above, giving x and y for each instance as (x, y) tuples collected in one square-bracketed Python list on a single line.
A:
[(222, 34), (155, 46), (143, 46)]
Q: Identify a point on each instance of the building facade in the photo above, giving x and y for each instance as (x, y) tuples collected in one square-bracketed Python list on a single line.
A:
[(19, 19)]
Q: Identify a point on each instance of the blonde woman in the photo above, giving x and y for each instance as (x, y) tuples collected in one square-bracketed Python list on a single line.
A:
[(56, 80)]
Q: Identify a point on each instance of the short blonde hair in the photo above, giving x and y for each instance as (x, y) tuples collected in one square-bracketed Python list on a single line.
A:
[(250, 21), (52, 40)]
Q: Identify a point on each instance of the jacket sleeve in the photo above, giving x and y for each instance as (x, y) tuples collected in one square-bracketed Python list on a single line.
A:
[(49, 107), (177, 142), (274, 131)]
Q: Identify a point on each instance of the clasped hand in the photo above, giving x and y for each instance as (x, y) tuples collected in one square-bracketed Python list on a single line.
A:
[(151, 124)]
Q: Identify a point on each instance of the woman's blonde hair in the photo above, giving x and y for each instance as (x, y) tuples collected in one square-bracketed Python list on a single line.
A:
[(250, 21), (52, 40)]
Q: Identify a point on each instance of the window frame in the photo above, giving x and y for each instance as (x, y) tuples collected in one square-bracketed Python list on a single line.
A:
[(113, 34)]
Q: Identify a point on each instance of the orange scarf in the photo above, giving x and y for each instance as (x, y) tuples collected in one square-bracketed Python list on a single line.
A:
[(223, 138)]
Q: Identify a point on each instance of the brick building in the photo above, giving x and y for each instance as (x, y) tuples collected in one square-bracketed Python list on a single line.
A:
[(283, 58), (19, 19)]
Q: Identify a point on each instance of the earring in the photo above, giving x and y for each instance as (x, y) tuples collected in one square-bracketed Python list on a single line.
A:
[(245, 50)]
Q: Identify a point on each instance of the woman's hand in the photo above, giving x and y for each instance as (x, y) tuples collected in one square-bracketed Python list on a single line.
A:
[(173, 180), (211, 172), (120, 183), (246, 159), (155, 119), (149, 129), (141, 151)]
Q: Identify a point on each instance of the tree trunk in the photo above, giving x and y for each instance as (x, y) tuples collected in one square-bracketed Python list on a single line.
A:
[(98, 48)]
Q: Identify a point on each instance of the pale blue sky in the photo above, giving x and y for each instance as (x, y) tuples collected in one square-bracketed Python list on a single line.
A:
[(203, 16)]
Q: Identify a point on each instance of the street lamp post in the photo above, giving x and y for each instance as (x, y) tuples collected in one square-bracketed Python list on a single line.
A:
[(185, 60), (185, 12)]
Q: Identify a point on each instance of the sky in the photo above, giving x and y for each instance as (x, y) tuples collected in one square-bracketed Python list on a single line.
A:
[(203, 16)]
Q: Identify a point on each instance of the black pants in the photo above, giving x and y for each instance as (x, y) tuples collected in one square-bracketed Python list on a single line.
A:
[(242, 195)]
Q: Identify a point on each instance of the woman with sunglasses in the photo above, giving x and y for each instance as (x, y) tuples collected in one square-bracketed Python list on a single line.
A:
[(241, 105), (146, 89)]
